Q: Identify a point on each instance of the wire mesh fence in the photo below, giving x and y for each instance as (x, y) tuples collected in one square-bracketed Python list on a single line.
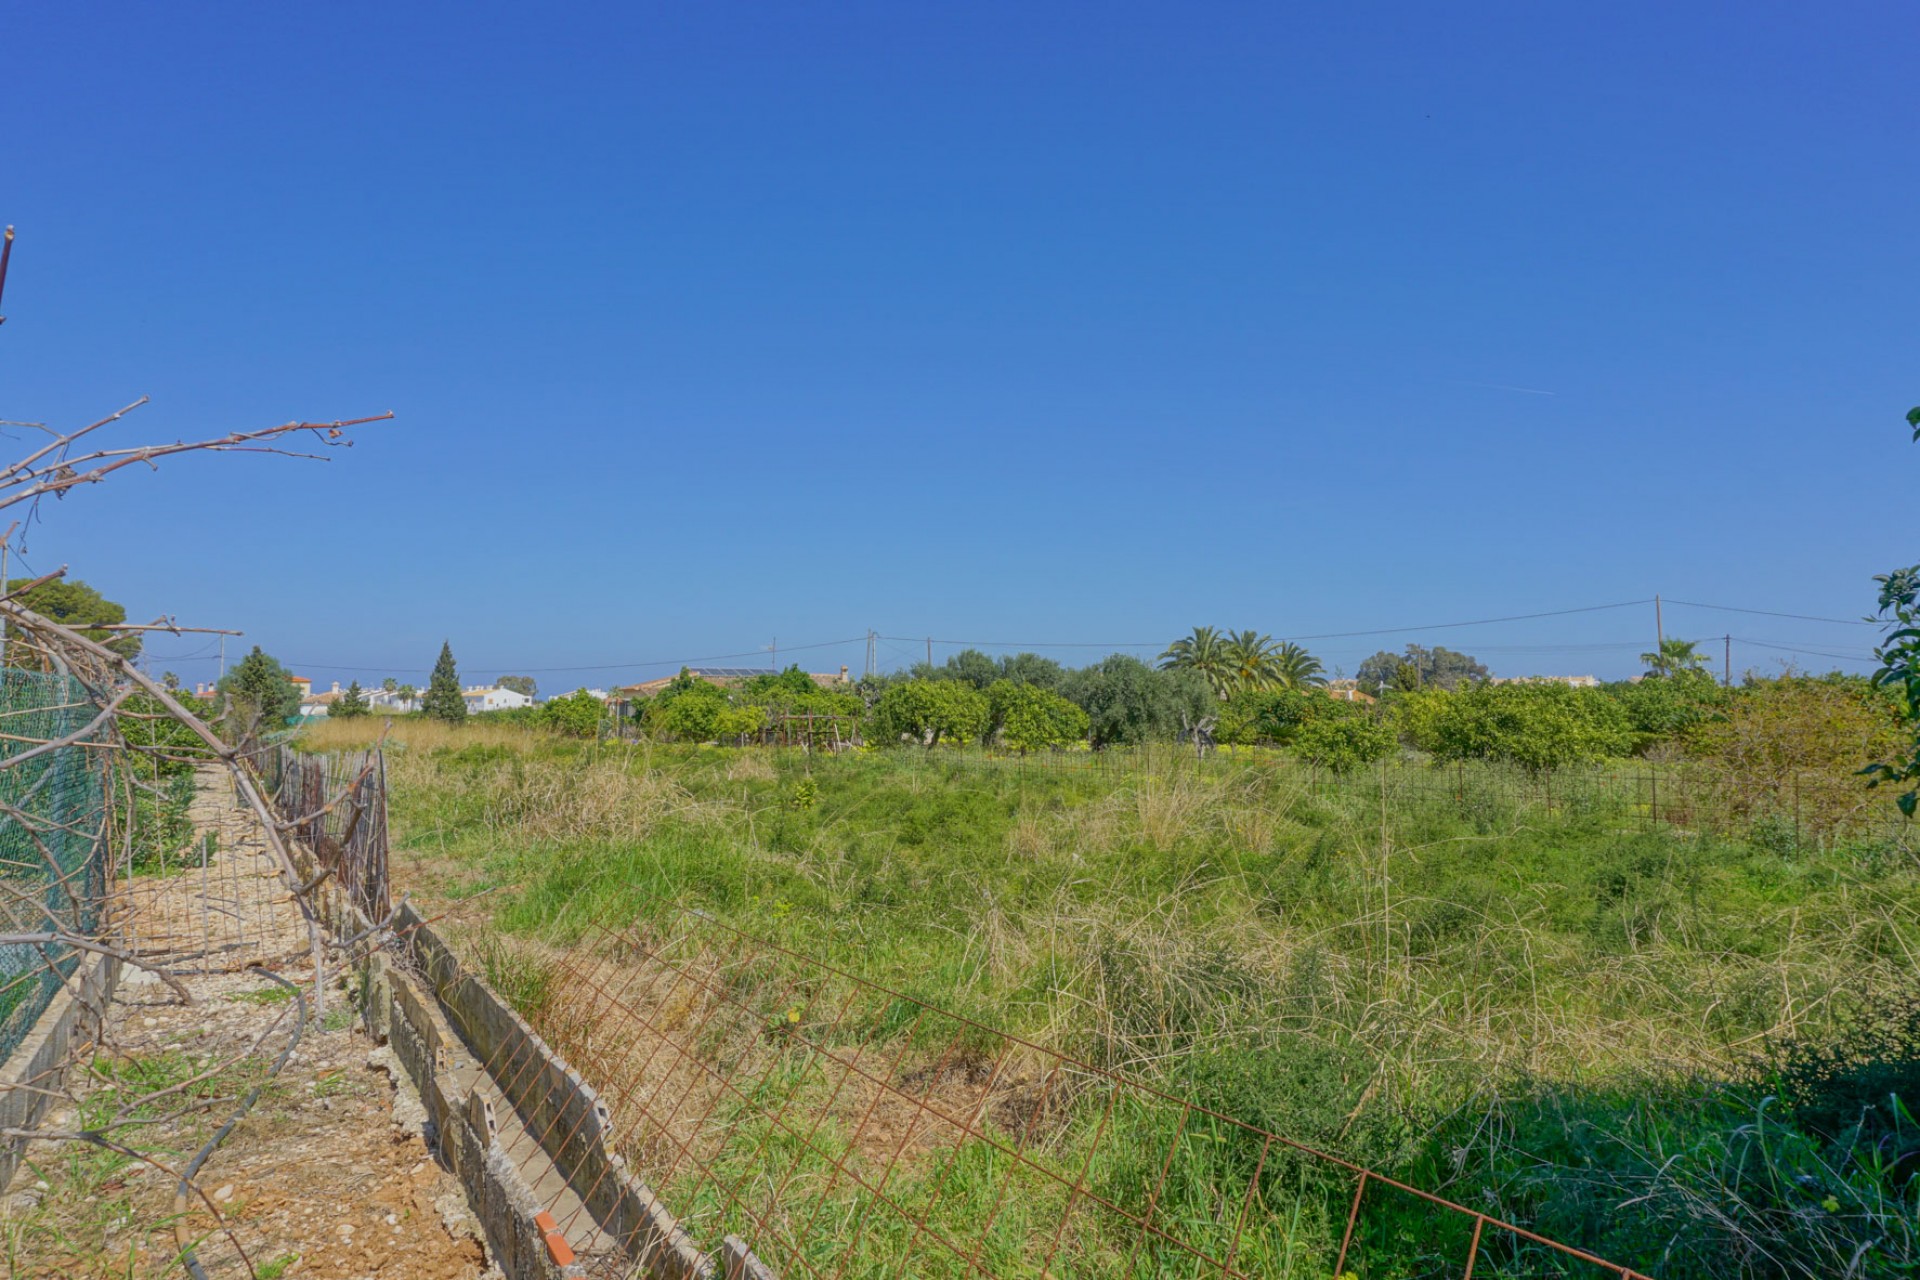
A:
[(54, 837), (335, 803), (1785, 806), (845, 1128)]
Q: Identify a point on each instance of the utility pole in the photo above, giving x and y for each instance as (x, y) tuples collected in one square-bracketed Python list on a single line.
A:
[(1727, 679), (929, 653), (223, 658), (1659, 631), (870, 639)]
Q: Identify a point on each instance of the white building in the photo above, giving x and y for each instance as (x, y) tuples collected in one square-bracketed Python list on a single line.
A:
[(392, 703), (481, 697)]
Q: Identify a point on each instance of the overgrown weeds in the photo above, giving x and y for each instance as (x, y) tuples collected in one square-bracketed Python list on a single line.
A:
[(1541, 996)]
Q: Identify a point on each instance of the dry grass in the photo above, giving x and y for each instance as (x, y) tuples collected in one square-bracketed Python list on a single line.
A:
[(416, 732), (612, 796)]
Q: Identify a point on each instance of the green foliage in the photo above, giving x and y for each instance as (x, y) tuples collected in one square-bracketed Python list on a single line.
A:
[(260, 693), (973, 667), (159, 759), (1271, 715), (1771, 729), (1899, 655), (1675, 657), (1029, 718), (519, 684), (72, 603), (443, 700), (350, 705), (1860, 1080), (1344, 741), (739, 723), (1596, 984), (688, 709), (577, 715), (929, 710), (792, 693), (1127, 702), (1666, 708), (1242, 661), (1419, 667), (1204, 653), (793, 682), (1537, 726), (1031, 668)]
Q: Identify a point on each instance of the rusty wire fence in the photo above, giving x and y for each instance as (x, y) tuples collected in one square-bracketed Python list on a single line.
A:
[(1789, 808), (336, 804), (843, 1128)]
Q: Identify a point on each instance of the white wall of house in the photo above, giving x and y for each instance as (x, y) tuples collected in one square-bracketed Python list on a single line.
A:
[(484, 698)]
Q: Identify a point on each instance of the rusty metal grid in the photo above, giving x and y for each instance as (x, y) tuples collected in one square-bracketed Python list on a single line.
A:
[(846, 1128)]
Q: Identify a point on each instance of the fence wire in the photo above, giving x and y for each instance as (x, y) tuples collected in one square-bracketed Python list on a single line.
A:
[(54, 846), (844, 1128), (1788, 807), (337, 806)]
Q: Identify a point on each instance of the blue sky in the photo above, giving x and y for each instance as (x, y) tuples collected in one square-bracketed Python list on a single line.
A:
[(711, 325)]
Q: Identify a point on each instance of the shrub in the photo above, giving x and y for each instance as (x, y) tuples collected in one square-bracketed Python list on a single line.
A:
[(738, 723), (1662, 708), (1537, 726), (688, 709), (1342, 743), (928, 710), (578, 715), (1028, 718), (1128, 702)]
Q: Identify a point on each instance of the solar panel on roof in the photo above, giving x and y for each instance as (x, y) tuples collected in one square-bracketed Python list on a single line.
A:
[(730, 673)]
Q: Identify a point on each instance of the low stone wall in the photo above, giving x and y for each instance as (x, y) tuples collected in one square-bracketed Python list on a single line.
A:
[(38, 1066)]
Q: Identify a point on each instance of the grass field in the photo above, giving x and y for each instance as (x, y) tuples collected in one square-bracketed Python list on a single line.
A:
[(1613, 1031)]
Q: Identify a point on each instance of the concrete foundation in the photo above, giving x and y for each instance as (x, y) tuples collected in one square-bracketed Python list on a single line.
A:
[(39, 1065)]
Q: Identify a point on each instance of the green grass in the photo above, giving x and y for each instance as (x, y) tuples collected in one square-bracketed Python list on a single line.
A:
[(1534, 1000)]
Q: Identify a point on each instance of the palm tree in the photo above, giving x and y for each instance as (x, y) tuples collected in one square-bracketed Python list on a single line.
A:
[(1295, 668), (1203, 652), (1673, 657), (1251, 660)]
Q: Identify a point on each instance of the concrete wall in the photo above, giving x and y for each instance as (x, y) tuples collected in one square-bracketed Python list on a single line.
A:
[(551, 1099), (469, 1055), (40, 1063)]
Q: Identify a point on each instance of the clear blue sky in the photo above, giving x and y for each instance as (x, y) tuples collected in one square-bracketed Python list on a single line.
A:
[(708, 324)]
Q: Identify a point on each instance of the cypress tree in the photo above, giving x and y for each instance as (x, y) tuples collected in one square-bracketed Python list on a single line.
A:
[(443, 700), (352, 703)]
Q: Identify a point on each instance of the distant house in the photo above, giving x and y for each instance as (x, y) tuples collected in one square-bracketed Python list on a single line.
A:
[(391, 703), (483, 697), (725, 676), (313, 705), (1576, 682), (1346, 691)]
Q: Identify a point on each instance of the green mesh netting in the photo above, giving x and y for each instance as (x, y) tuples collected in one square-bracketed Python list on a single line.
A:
[(53, 850)]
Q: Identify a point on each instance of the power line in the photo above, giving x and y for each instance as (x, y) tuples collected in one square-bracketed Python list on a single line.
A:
[(603, 666), (1324, 635), (1806, 649), (1770, 613)]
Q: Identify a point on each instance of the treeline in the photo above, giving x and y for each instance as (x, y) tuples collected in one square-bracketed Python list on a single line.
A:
[(1027, 702)]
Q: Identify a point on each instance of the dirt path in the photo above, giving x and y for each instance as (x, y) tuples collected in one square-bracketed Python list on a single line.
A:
[(327, 1177)]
